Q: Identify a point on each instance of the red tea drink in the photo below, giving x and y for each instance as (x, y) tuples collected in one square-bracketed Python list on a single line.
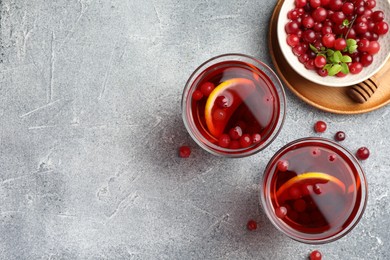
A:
[(233, 105), (314, 190)]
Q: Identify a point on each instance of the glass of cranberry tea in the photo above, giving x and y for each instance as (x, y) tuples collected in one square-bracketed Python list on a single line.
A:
[(233, 105), (314, 190)]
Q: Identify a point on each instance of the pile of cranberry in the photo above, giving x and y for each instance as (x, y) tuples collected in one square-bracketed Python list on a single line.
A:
[(328, 24)]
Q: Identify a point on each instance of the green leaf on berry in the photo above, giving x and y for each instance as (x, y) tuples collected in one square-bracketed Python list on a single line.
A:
[(330, 52), (336, 68), (346, 59), (351, 42), (344, 68), (352, 49), (346, 23), (337, 56), (351, 45), (327, 67)]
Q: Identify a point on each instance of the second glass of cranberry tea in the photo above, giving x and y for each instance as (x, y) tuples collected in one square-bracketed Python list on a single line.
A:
[(233, 105), (314, 190)]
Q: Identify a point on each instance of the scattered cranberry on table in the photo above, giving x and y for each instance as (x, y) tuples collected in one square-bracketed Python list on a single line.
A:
[(251, 225), (363, 153), (320, 126), (339, 136), (315, 255), (184, 151)]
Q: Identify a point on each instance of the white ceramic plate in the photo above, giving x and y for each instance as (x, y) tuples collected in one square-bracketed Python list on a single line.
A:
[(379, 59)]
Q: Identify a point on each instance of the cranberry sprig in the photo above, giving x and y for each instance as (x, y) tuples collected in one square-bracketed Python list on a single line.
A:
[(334, 61)]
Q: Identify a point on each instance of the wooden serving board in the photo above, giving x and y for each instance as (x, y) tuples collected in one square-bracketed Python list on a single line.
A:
[(331, 99)]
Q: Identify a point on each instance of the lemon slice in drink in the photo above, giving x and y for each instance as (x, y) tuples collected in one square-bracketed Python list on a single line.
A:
[(309, 178), (235, 91)]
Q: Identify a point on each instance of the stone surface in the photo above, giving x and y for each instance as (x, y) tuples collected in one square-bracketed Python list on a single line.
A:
[(90, 124)]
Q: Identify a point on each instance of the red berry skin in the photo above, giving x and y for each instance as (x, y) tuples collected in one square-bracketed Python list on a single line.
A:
[(340, 44), (281, 212), (381, 28), (184, 151), (328, 40), (339, 136), (355, 68), (224, 140), (363, 153), (315, 255), (341, 75), (206, 88), (251, 225), (292, 40), (320, 61), (197, 95), (234, 144), (256, 138), (235, 133), (320, 126), (282, 165), (366, 59), (322, 72), (245, 140), (300, 3)]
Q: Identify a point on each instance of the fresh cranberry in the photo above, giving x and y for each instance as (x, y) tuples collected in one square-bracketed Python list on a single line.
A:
[(292, 40), (322, 72), (206, 88), (320, 61), (366, 59), (320, 126), (355, 67), (251, 225), (341, 74), (328, 40), (281, 212), (300, 3), (282, 165), (245, 140), (235, 133), (197, 95), (295, 192), (300, 205), (310, 65), (184, 151), (377, 16), (363, 153), (332, 157), (340, 44), (315, 152), (317, 189), (381, 28), (222, 102), (292, 27), (219, 114), (339, 136), (224, 140), (256, 138), (315, 255), (234, 144)]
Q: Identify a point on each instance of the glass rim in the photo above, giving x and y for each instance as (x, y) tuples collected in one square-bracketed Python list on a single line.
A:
[(187, 113), (284, 228)]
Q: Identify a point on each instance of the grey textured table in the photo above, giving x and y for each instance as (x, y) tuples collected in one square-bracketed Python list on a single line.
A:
[(90, 126)]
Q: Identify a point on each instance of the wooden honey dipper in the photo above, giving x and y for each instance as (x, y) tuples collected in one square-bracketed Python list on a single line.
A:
[(363, 91)]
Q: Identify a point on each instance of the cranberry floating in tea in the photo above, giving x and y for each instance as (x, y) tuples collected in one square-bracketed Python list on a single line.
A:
[(233, 105), (320, 193)]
